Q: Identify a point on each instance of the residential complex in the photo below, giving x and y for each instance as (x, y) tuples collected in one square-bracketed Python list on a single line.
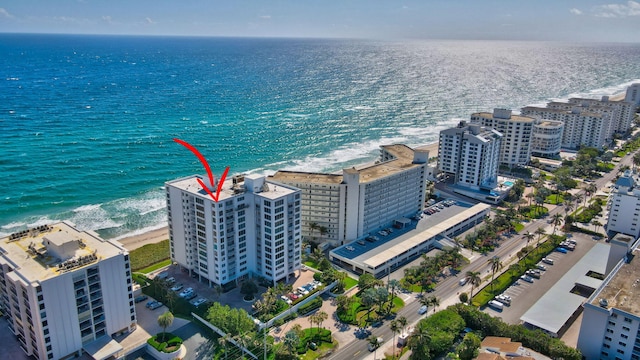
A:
[(546, 138), (338, 208), (633, 94), (470, 153), (611, 315), (65, 292), (253, 229), (624, 206), (516, 130)]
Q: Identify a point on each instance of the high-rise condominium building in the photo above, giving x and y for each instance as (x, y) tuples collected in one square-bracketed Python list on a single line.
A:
[(546, 138), (65, 292), (624, 203), (338, 208), (253, 229), (633, 94), (516, 130), (470, 153)]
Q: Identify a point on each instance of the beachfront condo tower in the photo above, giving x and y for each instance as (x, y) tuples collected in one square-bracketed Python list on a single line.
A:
[(252, 230), (342, 207), (66, 292), (516, 130)]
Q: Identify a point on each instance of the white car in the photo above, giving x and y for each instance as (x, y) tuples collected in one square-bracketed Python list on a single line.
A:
[(186, 292), (527, 278), (199, 302), (423, 309)]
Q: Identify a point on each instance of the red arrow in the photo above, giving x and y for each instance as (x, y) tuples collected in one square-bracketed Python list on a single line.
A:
[(208, 169)]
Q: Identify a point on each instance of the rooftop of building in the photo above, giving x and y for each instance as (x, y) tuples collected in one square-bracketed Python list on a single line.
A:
[(403, 160), (49, 250), (503, 344), (561, 111), (549, 123), (513, 117), (231, 187), (621, 289)]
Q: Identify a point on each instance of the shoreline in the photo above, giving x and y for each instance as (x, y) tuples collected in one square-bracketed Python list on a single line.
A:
[(150, 237)]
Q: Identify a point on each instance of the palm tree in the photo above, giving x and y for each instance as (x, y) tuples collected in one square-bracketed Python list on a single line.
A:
[(529, 236), (530, 196), (373, 340), (393, 285), (556, 220), (474, 280), (313, 226), (395, 328), (321, 316), (539, 231), (402, 321), (496, 265), (243, 341), (223, 341), (636, 160), (419, 343), (291, 340), (596, 224), (435, 302), (317, 255), (165, 320)]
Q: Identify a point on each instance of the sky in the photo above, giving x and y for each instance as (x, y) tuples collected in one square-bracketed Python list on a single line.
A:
[(562, 20)]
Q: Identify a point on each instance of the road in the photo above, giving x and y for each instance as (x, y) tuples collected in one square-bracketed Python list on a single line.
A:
[(450, 288)]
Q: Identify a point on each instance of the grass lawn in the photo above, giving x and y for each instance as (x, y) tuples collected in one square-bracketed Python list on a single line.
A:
[(311, 264), (149, 255), (554, 199), (155, 267), (518, 226), (349, 282), (321, 350)]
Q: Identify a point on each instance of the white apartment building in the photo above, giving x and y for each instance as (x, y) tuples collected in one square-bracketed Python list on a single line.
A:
[(338, 208), (546, 138), (633, 94), (253, 229), (516, 130), (622, 112), (624, 203), (611, 315), (581, 128), (470, 153), (65, 292)]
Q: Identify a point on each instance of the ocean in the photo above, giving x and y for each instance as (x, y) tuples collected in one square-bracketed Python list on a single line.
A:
[(88, 122)]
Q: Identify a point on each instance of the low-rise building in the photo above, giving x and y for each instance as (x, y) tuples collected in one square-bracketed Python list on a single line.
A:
[(65, 292)]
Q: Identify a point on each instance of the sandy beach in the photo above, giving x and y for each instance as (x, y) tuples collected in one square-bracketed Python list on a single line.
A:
[(151, 237)]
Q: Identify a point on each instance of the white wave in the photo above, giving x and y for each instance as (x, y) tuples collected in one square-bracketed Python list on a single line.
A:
[(87, 208), (141, 231), (13, 225), (45, 220)]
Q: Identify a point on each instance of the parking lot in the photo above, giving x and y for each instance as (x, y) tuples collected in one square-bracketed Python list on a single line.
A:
[(524, 294)]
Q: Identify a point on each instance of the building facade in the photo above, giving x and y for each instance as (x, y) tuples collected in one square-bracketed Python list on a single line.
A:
[(253, 229), (470, 153), (611, 315), (516, 130), (338, 208), (633, 94), (65, 292), (624, 204), (546, 138)]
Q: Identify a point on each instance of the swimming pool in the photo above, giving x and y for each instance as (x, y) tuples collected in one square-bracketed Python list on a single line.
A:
[(508, 183)]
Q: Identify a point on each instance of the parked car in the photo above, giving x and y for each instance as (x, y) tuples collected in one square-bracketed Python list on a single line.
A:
[(423, 309), (141, 298), (199, 302), (177, 287), (541, 267), (171, 280), (191, 296), (561, 250), (150, 302), (186, 292), (505, 299), (155, 305), (547, 261), (527, 278), (497, 305), (533, 273)]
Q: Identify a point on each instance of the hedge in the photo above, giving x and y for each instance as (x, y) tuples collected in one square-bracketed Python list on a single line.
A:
[(313, 335), (310, 306), (172, 341)]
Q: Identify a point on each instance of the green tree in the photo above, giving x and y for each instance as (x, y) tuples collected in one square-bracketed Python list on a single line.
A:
[(291, 340), (556, 220), (249, 289), (529, 236), (403, 322), (367, 281), (468, 348), (321, 317), (540, 232), (375, 343), (474, 280), (224, 341), (395, 328), (316, 256), (464, 297), (496, 265), (164, 321), (419, 342)]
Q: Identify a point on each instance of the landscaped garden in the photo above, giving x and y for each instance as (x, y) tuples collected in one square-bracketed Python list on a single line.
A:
[(150, 257), (165, 342)]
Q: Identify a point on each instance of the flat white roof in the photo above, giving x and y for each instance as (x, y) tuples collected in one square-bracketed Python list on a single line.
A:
[(557, 305)]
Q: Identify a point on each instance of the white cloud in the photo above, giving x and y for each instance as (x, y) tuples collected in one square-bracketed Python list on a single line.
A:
[(266, 17), (107, 19), (575, 11), (631, 8), (149, 20), (5, 13)]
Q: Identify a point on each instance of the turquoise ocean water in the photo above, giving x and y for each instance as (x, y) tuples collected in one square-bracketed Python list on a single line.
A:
[(87, 122)]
